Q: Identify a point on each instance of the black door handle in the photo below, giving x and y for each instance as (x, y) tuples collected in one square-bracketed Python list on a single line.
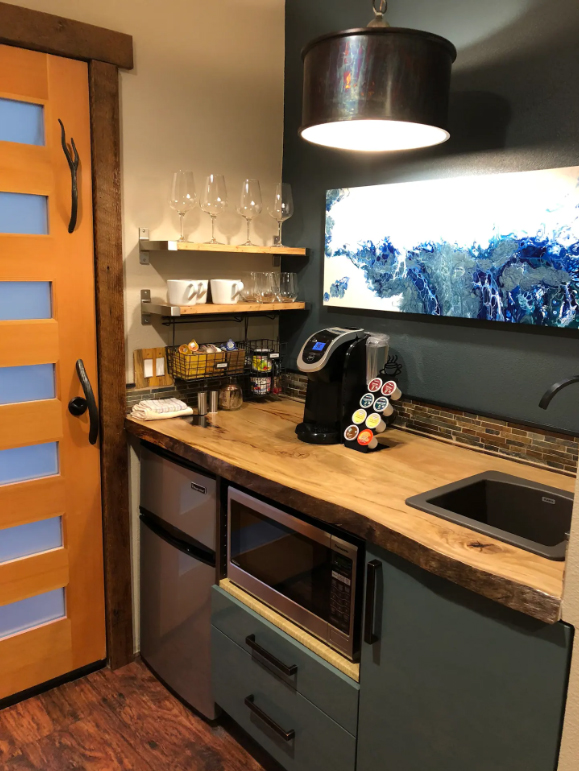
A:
[(73, 161), (372, 569), (93, 411), (283, 668), (287, 736)]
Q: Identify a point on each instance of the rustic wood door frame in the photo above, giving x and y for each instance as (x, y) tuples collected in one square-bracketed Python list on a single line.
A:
[(105, 52)]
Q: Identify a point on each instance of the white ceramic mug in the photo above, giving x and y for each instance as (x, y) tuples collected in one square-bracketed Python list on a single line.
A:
[(181, 292), (225, 291)]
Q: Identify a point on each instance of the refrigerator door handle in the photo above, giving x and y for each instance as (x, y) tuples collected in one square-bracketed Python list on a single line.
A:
[(177, 539)]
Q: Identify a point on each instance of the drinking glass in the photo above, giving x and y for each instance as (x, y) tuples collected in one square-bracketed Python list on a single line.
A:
[(250, 292), (250, 206), (288, 287), (268, 287), (214, 200), (183, 195), (282, 209)]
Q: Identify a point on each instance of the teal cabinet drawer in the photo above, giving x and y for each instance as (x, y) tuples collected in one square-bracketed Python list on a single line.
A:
[(321, 683), (265, 707)]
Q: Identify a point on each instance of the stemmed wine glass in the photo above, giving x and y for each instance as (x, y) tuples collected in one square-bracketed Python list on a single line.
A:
[(282, 209), (214, 200), (183, 195), (251, 204)]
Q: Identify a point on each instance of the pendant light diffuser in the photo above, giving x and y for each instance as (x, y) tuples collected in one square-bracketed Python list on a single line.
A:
[(377, 89)]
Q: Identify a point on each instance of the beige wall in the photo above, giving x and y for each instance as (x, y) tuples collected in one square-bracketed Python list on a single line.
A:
[(206, 94), (569, 760)]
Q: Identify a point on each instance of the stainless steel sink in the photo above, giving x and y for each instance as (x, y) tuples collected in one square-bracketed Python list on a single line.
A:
[(531, 516)]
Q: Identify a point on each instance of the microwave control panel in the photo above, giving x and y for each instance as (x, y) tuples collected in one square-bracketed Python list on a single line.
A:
[(341, 592)]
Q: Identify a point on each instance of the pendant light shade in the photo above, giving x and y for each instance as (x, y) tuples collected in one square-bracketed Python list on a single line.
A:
[(376, 89)]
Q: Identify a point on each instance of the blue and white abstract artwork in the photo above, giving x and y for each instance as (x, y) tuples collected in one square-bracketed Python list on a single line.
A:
[(503, 247)]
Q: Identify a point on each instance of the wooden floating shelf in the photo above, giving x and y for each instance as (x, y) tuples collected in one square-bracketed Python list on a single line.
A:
[(212, 309), (187, 246)]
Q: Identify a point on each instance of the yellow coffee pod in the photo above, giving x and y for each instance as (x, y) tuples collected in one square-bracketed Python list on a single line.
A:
[(375, 422), (184, 349), (193, 346), (359, 417)]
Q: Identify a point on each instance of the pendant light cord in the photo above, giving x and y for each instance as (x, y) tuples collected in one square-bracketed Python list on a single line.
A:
[(379, 7)]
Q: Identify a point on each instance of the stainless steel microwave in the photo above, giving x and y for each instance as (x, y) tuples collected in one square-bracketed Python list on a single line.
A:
[(302, 571)]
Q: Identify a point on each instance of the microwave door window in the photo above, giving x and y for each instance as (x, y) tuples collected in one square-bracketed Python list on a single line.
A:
[(289, 562)]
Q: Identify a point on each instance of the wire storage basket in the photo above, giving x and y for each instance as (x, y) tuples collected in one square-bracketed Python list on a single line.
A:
[(196, 366), (258, 361)]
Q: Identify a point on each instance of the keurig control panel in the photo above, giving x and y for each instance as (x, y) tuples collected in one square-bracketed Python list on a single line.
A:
[(319, 347)]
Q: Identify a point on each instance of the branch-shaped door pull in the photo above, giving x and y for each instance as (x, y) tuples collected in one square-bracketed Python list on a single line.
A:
[(73, 161)]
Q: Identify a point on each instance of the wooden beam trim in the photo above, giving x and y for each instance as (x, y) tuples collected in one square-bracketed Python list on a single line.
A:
[(45, 32), (105, 132)]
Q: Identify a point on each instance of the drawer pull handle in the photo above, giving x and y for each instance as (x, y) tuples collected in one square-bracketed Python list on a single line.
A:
[(283, 668), (287, 736)]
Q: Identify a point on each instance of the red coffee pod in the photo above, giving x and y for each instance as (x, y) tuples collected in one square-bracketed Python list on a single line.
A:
[(367, 439), (391, 389), (375, 385)]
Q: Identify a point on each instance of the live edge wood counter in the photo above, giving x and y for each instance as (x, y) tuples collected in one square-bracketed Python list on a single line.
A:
[(256, 447)]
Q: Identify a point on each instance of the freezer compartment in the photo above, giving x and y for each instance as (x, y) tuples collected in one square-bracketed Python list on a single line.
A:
[(176, 616), (180, 494)]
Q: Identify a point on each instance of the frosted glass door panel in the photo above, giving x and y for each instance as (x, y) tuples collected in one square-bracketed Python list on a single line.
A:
[(26, 384), (22, 300), (33, 538), (32, 462), (21, 122), (24, 214), (31, 612)]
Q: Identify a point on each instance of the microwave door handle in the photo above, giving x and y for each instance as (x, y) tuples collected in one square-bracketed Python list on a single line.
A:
[(283, 668)]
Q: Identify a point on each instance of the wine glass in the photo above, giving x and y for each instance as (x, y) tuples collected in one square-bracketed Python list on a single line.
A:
[(183, 196), (251, 205), (282, 209), (288, 287), (214, 200)]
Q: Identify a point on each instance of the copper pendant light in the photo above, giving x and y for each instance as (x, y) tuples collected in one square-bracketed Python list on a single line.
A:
[(377, 88)]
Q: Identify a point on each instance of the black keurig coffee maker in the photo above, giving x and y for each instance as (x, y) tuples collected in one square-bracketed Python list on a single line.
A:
[(334, 360)]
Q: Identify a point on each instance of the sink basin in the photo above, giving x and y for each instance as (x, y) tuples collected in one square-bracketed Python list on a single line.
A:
[(531, 516)]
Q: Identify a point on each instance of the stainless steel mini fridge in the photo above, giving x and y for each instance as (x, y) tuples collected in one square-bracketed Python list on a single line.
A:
[(178, 535)]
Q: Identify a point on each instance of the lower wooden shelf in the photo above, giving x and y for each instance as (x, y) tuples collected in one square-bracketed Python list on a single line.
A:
[(211, 308)]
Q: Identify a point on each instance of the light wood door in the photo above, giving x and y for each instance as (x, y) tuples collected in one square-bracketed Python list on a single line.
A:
[(51, 562)]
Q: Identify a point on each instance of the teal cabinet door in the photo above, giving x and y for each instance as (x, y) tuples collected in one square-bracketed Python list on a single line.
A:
[(456, 682)]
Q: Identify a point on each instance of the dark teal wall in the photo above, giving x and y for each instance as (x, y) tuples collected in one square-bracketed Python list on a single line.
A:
[(514, 107)]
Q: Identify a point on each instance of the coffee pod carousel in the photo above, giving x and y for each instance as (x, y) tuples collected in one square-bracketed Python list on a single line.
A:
[(371, 416)]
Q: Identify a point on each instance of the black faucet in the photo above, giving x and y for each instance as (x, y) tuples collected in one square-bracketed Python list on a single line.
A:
[(550, 393)]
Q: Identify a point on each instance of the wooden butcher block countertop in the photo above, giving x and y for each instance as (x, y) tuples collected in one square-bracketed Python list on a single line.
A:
[(365, 494)]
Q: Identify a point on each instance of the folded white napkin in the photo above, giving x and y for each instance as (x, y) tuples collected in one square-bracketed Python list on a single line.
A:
[(160, 409)]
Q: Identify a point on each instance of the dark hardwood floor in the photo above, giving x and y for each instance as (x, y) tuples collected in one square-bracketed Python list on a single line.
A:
[(110, 721)]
